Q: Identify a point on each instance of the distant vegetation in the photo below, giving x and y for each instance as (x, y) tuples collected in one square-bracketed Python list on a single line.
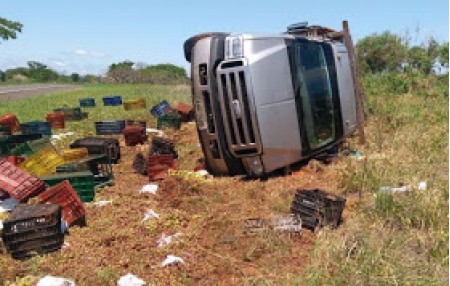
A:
[(9, 29)]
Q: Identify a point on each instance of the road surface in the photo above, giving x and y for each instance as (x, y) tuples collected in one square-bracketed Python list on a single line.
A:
[(12, 92)]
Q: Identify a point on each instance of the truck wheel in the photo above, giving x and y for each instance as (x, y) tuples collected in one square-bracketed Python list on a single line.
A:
[(189, 43)]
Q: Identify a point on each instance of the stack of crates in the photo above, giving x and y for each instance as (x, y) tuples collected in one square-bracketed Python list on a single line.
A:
[(318, 208), (63, 194), (99, 145), (169, 120), (74, 154), (44, 162), (71, 113), (113, 100), (133, 104), (87, 102), (98, 165), (18, 184), (109, 127), (42, 127), (30, 147), (83, 183), (33, 229)]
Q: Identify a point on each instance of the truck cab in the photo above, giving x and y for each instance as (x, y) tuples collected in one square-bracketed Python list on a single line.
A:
[(264, 102)]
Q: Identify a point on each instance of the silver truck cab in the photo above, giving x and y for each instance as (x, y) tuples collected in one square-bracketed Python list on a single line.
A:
[(265, 102)]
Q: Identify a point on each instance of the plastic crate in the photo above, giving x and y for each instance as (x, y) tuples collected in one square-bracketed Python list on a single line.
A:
[(71, 113), (11, 121), (134, 134), (74, 154), (169, 120), (109, 127), (161, 145), (185, 111), (44, 162), (159, 165), (159, 109), (87, 102), (99, 165), (17, 183), (63, 194), (100, 145), (318, 208), (56, 120), (82, 182), (142, 123), (15, 160), (42, 127), (33, 229), (133, 104), (113, 100), (5, 130), (31, 147)]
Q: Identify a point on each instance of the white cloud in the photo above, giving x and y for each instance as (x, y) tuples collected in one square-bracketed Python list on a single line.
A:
[(60, 64), (81, 52)]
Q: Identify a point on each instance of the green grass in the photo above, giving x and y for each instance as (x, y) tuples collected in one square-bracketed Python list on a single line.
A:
[(394, 239), (36, 108)]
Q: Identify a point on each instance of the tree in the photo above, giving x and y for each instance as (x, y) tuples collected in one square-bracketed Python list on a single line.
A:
[(40, 72), (9, 29), (75, 77), (443, 54), (381, 52), (2, 76), (121, 65)]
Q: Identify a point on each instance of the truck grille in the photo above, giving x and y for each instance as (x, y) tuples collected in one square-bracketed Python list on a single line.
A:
[(238, 112)]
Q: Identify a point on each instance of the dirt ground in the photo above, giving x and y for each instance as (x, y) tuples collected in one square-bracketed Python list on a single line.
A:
[(209, 214)]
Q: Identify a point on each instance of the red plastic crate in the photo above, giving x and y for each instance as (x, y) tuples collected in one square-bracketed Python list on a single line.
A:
[(15, 160), (185, 111), (19, 184), (56, 119), (134, 134), (159, 165), (64, 195)]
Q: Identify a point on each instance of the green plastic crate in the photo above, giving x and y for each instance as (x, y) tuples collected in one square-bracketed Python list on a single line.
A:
[(99, 165), (71, 113), (169, 120), (31, 147), (4, 148), (83, 183)]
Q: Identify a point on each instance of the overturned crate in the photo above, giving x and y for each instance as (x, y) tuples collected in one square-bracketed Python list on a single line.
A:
[(169, 120), (134, 135), (109, 127), (74, 154), (42, 127), (44, 162), (87, 102), (318, 208), (159, 165), (64, 195), (30, 147), (5, 130), (83, 183), (98, 165), (18, 184), (185, 111), (71, 113), (11, 121), (99, 145), (133, 104), (56, 120), (7, 143), (160, 108), (142, 123), (33, 229), (113, 100)]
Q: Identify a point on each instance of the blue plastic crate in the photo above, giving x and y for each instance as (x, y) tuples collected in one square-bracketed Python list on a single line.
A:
[(42, 127), (108, 127), (159, 109), (113, 100), (87, 102)]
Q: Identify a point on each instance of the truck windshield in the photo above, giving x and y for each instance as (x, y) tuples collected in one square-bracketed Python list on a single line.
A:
[(314, 93)]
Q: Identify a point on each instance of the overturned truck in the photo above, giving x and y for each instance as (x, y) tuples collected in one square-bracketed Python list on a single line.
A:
[(265, 102)]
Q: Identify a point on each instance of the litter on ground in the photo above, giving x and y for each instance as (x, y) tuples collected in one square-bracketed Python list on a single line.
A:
[(102, 203), (130, 280), (149, 188), (422, 186), (165, 240), (172, 259), (55, 281), (149, 215)]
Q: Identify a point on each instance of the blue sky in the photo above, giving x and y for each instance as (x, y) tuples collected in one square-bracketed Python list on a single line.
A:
[(87, 36)]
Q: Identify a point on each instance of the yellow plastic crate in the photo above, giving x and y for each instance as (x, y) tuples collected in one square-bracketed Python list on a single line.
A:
[(134, 104), (74, 154), (43, 162)]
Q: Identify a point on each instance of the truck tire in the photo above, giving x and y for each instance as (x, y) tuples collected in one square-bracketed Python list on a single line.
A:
[(190, 43)]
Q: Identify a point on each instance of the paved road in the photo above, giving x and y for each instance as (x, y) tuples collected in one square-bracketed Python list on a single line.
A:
[(11, 92)]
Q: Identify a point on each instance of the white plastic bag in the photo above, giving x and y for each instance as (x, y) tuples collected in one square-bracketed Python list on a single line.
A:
[(130, 280), (55, 281)]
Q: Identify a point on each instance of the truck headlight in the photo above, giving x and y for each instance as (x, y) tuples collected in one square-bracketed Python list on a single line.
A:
[(234, 47)]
